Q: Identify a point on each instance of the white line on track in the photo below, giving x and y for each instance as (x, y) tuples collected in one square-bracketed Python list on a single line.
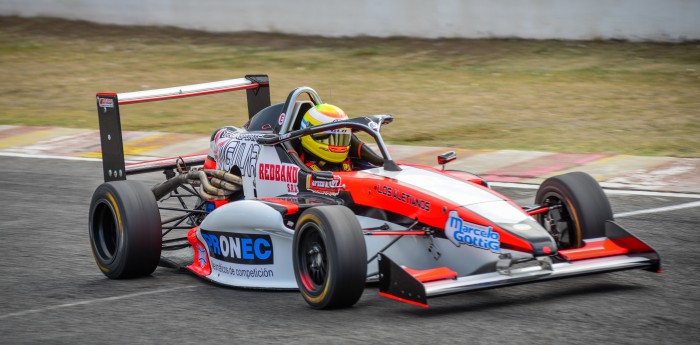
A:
[(607, 191), (90, 301), (651, 193), (659, 209)]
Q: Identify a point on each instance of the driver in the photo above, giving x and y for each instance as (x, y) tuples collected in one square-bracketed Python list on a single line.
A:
[(326, 151)]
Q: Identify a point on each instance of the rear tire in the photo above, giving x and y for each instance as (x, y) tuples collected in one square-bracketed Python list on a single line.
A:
[(583, 212), (330, 257), (125, 229)]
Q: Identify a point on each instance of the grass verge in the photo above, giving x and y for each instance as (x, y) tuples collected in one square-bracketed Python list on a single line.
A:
[(617, 97)]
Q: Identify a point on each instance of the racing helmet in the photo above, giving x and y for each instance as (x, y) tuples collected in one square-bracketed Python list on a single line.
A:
[(331, 146)]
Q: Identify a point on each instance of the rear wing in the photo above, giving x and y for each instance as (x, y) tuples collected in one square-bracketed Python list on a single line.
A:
[(113, 165)]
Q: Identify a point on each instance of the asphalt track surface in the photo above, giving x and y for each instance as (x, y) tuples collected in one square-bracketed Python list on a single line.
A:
[(51, 291)]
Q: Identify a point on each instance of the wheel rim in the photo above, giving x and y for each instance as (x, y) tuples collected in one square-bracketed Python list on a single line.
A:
[(559, 223), (313, 259), (104, 231)]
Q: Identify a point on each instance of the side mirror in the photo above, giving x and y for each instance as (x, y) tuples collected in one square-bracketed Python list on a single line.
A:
[(446, 157)]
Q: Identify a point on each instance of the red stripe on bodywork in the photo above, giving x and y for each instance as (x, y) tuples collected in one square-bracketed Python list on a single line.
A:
[(632, 244), (196, 267), (403, 300), (433, 274), (593, 249), (363, 188), (292, 208)]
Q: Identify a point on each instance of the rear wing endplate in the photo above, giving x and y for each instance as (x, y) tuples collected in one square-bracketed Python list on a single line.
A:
[(113, 165)]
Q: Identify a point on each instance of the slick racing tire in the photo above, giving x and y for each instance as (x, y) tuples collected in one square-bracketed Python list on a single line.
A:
[(330, 257), (125, 229), (582, 212)]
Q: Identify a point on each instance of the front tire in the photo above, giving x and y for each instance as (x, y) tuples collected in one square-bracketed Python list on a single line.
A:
[(125, 229), (581, 208), (330, 257)]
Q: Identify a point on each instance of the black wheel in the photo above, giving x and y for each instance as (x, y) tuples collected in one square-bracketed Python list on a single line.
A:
[(581, 208), (125, 229), (330, 257)]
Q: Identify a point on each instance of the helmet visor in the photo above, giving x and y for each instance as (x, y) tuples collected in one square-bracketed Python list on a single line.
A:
[(337, 137)]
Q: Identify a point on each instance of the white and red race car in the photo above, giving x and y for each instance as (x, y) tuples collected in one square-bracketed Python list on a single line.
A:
[(255, 216)]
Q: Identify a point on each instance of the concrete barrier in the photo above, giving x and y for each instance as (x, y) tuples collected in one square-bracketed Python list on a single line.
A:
[(637, 20)]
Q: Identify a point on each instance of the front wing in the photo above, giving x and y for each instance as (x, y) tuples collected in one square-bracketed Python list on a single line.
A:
[(619, 251)]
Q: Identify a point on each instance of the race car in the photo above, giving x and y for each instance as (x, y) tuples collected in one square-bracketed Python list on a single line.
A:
[(255, 216)]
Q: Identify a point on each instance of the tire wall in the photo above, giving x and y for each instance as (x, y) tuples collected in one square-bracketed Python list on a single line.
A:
[(635, 20)]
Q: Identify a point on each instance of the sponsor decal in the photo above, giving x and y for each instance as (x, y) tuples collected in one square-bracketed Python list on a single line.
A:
[(202, 255), (226, 133), (249, 249), (404, 197), (373, 125), (105, 103), (281, 119), (240, 153), (284, 172), (460, 231), (243, 272), (326, 187), (231, 132), (249, 136)]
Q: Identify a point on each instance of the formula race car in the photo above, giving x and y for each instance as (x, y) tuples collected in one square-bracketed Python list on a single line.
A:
[(255, 216)]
